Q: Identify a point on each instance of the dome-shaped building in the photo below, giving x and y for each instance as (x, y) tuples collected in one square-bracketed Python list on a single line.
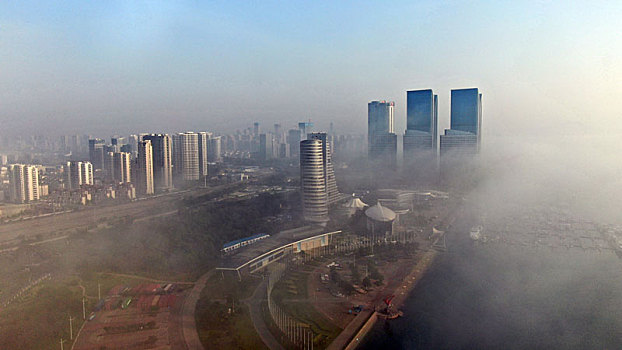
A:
[(380, 220)]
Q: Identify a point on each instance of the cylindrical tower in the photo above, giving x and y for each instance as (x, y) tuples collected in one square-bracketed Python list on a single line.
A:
[(313, 183)]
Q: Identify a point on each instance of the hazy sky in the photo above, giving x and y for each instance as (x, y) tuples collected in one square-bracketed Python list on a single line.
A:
[(105, 66)]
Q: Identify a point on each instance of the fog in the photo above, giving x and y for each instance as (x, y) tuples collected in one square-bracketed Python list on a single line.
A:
[(581, 172), (524, 289)]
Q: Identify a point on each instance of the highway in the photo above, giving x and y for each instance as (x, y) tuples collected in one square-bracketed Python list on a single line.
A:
[(51, 226)]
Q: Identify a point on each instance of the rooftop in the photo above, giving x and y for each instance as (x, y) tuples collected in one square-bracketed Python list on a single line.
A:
[(229, 244), (277, 240), (355, 202), (380, 213)]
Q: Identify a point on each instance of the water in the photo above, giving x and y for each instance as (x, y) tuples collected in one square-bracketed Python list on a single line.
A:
[(505, 297)]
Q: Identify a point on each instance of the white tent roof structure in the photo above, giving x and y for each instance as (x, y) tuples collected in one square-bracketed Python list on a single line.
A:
[(380, 213), (355, 203)]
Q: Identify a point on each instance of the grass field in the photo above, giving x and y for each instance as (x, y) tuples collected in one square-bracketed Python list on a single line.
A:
[(50, 304), (223, 321), (178, 247), (290, 292)]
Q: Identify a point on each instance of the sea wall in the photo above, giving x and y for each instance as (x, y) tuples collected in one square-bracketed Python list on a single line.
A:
[(358, 337)]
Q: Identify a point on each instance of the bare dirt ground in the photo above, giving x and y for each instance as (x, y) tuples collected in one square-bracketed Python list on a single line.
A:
[(152, 321)]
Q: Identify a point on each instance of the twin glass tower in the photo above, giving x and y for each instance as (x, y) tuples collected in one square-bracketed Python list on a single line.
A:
[(381, 138), (421, 138)]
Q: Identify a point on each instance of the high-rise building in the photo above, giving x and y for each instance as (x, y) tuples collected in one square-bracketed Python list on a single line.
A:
[(466, 110), (78, 174), (381, 139), (162, 145), (203, 140), (464, 137), (313, 182), (305, 128), (266, 146), (379, 118), (186, 156), (278, 133), (329, 171), (116, 142), (96, 153), (214, 149), (421, 122), (293, 139), (87, 173), (122, 167), (460, 145), (133, 144), (127, 148), (283, 150), (256, 129), (144, 168), (23, 183), (73, 175), (384, 152), (420, 142), (228, 143), (317, 178), (109, 170)]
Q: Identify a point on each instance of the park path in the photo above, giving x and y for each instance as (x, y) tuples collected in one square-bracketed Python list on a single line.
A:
[(188, 321), (254, 303)]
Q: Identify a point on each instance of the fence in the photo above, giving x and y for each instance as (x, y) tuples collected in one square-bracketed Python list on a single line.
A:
[(298, 333)]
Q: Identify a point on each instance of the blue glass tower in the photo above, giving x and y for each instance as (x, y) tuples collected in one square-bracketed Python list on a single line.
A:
[(380, 117), (381, 140), (466, 111), (422, 115), (465, 135)]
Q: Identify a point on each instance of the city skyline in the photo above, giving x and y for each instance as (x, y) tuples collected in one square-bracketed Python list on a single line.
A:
[(94, 67), (310, 175)]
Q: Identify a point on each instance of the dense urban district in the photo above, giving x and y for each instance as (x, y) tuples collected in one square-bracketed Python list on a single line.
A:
[(261, 239)]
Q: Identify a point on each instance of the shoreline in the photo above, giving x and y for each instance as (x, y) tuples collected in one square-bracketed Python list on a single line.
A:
[(412, 278), (401, 291)]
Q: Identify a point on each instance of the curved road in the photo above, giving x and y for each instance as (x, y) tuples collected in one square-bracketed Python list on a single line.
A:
[(188, 321), (254, 303)]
